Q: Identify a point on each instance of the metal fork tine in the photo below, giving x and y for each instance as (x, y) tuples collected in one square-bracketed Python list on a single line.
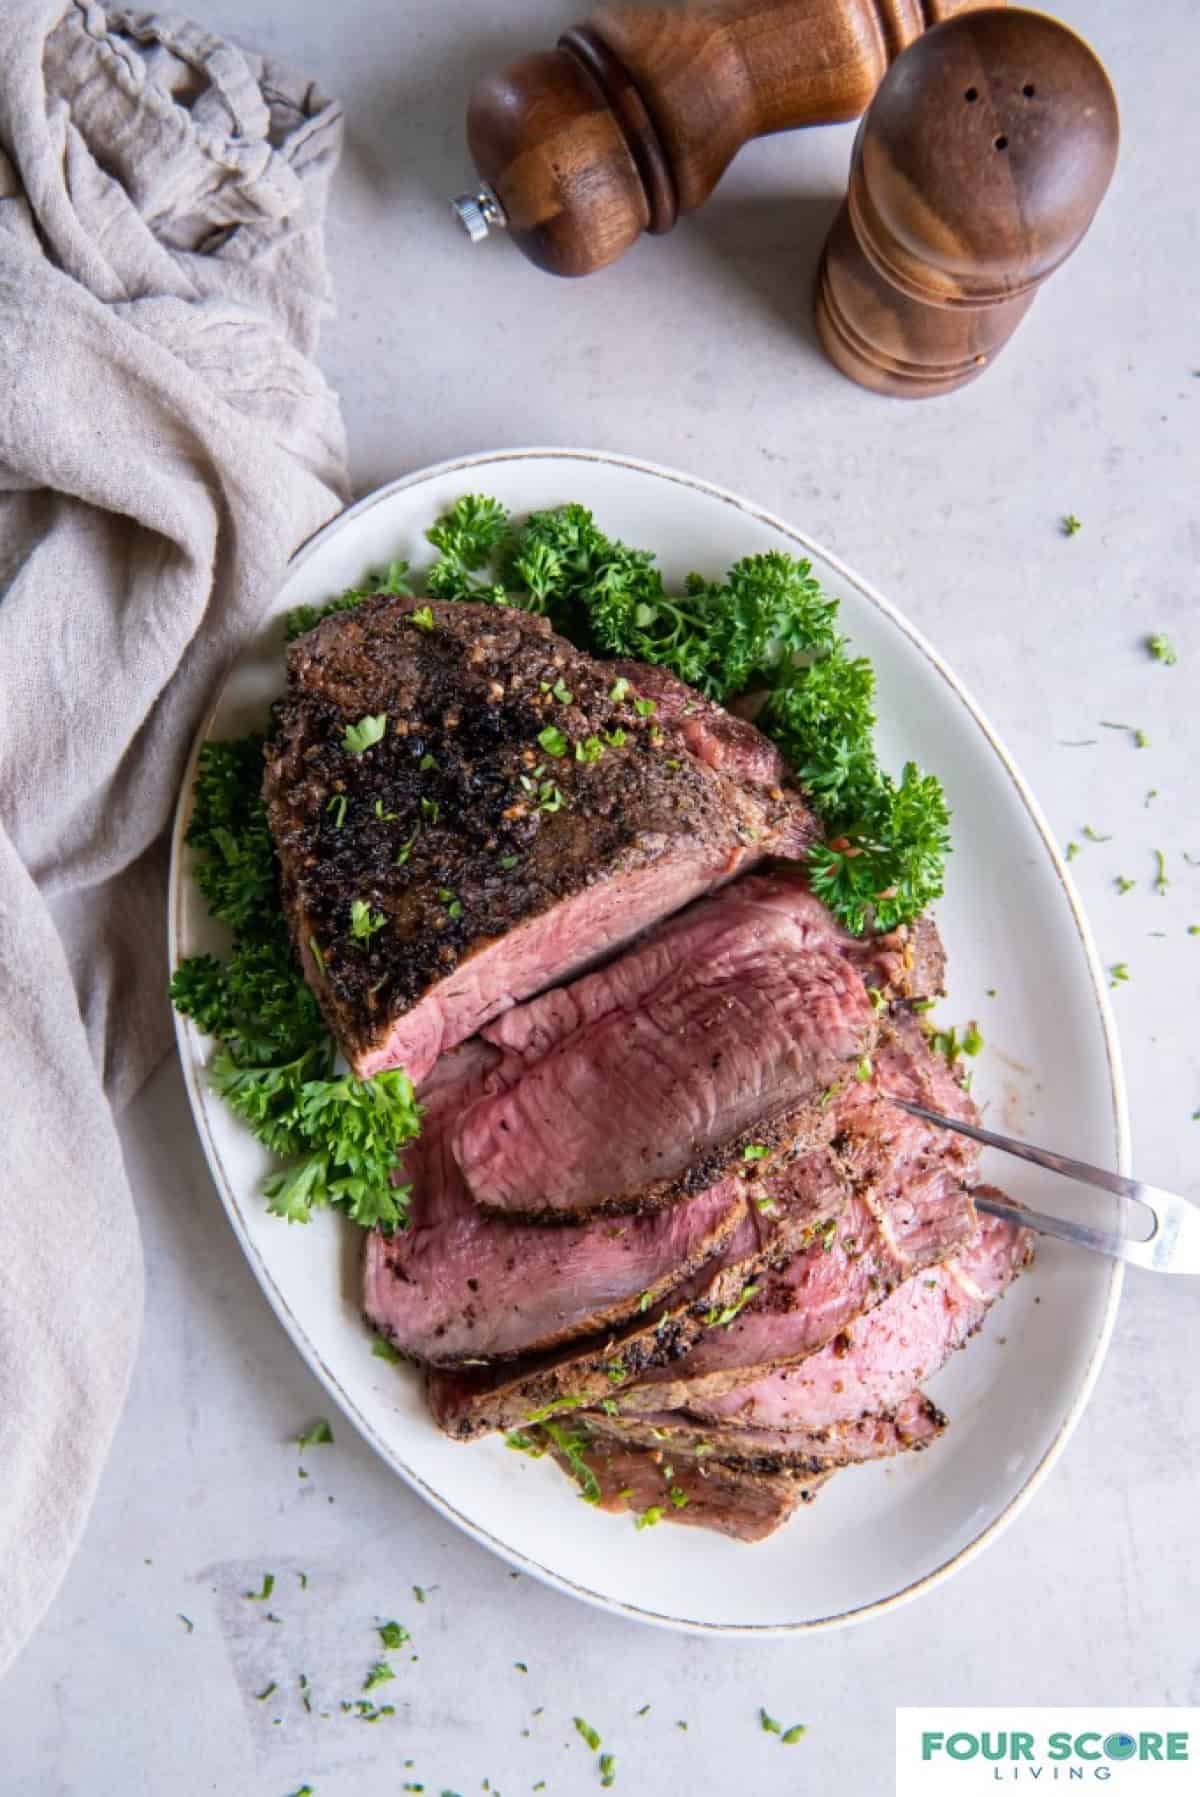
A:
[(1117, 1183), (1172, 1244), (1102, 1241)]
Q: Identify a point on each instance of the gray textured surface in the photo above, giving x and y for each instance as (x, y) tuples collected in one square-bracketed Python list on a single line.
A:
[(696, 350)]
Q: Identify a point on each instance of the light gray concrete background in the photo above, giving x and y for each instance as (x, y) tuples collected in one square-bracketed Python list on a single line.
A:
[(697, 351)]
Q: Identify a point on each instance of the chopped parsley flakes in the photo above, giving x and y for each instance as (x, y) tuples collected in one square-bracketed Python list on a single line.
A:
[(722, 1318), (1141, 740), (552, 740), (1162, 649), (587, 1731), (319, 1435), (406, 848), (358, 738), (363, 921)]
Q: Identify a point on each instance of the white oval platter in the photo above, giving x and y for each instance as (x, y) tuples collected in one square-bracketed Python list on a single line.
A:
[(1013, 926)]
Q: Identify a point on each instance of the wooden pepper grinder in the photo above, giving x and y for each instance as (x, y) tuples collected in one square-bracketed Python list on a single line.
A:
[(636, 114), (976, 171)]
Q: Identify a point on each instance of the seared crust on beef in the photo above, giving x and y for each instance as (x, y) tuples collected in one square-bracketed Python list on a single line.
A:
[(672, 1433), (458, 827)]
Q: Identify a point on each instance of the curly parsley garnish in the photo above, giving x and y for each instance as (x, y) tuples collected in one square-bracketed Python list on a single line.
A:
[(274, 1066), (767, 626)]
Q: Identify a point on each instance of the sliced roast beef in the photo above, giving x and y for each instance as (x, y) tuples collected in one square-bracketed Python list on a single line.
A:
[(736, 1501), (467, 809), (910, 1209), (461, 1285), (676, 1437), (880, 1361), (648, 1079), (775, 1219)]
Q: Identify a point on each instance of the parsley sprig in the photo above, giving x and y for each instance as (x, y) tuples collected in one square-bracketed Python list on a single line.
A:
[(767, 627), (275, 1064)]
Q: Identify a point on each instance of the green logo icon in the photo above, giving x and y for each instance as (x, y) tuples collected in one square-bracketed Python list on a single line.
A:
[(1120, 1747)]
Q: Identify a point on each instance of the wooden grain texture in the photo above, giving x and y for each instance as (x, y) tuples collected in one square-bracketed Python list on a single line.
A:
[(638, 112), (544, 137), (977, 170)]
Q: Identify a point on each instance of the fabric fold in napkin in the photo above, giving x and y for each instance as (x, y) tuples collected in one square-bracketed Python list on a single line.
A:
[(166, 443)]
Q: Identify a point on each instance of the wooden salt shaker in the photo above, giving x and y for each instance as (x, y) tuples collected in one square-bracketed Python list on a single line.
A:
[(976, 171), (635, 115)]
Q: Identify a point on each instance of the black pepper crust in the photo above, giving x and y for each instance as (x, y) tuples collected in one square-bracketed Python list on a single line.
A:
[(472, 690)]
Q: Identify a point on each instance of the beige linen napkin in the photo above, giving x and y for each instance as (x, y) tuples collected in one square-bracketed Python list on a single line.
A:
[(165, 444)]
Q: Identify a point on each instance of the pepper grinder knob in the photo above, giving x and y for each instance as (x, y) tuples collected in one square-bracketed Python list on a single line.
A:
[(976, 171)]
